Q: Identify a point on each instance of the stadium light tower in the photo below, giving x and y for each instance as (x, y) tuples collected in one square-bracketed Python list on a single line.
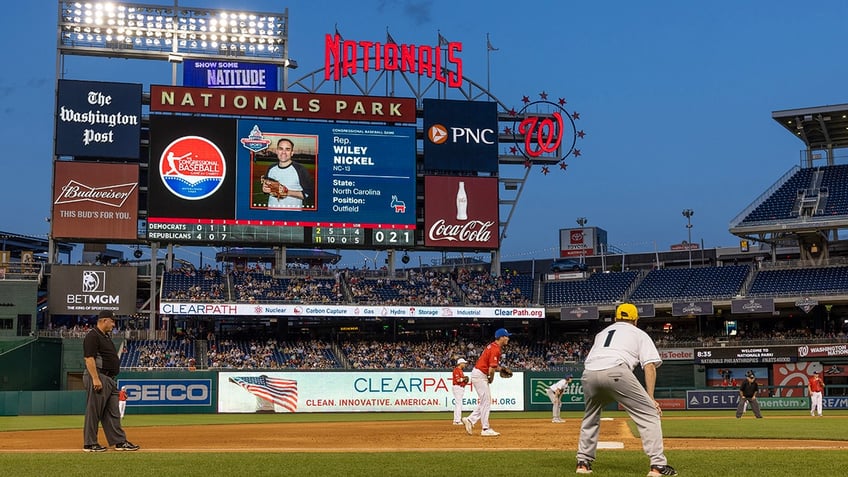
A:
[(688, 213)]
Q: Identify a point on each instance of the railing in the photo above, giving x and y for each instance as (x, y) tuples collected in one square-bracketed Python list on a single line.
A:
[(764, 196), (21, 271), (125, 334)]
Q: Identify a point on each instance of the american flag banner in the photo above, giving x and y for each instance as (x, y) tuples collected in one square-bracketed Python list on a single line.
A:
[(282, 392)]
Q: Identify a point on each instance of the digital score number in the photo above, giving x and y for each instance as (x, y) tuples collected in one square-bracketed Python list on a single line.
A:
[(337, 236), (223, 233), (393, 238)]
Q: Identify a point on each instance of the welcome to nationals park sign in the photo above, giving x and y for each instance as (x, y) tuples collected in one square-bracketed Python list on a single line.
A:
[(346, 311)]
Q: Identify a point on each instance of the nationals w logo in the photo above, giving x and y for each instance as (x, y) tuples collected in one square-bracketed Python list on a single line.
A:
[(545, 130)]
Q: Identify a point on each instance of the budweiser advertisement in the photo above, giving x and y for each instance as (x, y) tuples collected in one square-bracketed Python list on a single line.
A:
[(461, 212), (95, 201)]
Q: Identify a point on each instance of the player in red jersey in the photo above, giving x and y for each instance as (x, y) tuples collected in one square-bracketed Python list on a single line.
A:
[(483, 375), (816, 391), (460, 380)]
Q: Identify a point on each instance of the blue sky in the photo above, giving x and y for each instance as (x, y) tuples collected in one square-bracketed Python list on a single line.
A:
[(675, 98)]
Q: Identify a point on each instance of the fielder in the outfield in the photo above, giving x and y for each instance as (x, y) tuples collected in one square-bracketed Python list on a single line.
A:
[(554, 393), (460, 380), (483, 375), (816, 386), (122, 401), (608, 376)]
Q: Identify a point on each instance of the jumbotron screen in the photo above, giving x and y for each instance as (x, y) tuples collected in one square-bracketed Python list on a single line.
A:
[(222, 180)]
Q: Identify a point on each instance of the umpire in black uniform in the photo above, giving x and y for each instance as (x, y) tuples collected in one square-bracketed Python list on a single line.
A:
[(748, 394), (101, 368)]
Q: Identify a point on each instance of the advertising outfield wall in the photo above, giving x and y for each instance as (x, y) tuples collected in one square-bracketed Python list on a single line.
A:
[(208, 392)]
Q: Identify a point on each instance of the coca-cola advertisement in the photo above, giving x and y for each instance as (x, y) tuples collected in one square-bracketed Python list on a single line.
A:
[(95, 201), (461, 212)]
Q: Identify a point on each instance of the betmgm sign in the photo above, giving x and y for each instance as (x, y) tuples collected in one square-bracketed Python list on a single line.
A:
[(88, 290)]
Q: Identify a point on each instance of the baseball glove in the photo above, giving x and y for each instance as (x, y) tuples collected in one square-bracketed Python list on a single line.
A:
[(465, 380), (275, 188), (505, 373)]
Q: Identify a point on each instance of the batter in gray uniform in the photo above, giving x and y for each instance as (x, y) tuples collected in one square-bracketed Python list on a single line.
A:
[(608, 377)]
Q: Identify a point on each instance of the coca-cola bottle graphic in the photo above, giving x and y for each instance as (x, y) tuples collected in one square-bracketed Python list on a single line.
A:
[(461, 203)]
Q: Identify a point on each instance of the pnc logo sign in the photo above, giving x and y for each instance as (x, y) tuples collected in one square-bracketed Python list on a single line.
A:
[(460, 135), (439, 134)]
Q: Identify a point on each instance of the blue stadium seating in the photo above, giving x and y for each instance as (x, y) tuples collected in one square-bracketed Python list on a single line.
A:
[(598, 288), (829, 181), (691, 283), (813, 281)]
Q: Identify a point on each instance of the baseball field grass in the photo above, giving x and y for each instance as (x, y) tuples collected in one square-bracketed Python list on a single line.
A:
[(473, 459)]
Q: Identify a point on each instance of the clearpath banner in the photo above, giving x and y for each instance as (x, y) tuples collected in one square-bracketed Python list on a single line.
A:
[(245, 309), (356, 392)]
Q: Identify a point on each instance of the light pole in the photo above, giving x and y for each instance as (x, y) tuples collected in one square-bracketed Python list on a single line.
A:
[(688, 213), (581, 221)]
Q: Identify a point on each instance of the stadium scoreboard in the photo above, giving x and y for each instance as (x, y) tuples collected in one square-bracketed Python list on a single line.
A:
[(334, 235), (355, 183)]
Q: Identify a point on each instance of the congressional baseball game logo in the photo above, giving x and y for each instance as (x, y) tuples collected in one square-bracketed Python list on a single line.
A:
[(807, 304), (255, 141), (192, 168)]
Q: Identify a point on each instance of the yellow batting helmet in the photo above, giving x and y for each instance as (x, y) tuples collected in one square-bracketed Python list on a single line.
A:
[(627, 311)]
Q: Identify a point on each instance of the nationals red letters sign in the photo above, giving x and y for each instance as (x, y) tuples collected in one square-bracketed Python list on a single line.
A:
[(461, 212), (95, 201)]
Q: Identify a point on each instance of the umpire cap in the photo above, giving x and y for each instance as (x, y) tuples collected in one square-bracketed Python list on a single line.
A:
[(627, 311)]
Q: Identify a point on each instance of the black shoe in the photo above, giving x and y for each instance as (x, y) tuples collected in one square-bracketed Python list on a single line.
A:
[(584, 467), (659, 470), (93, 448), (127, 446)]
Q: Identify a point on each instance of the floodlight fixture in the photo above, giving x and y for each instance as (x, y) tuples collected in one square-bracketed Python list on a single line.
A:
[(134, 30)]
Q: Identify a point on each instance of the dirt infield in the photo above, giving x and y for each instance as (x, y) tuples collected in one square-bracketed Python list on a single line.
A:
[(516, 434)]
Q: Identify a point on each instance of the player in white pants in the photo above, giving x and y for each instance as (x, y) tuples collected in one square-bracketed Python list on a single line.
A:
[(460, 380), (816, 386), (608, 376), (555, 395), (483, 374)]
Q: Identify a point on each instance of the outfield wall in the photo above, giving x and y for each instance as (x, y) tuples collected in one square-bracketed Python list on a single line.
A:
[(208, 392)]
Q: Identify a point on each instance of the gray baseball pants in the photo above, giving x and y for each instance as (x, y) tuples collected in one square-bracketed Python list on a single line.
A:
[(618, 384), (102, 407)]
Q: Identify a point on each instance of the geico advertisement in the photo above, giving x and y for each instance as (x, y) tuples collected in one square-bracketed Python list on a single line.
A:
[(167, 392), (356, 391)]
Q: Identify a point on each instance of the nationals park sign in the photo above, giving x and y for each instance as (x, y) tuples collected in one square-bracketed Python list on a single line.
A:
[(181, 99)]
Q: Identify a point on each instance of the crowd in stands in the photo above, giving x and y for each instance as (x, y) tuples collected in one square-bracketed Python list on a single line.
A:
[(522, 353), (485, 289), (160, 354), (242, 355), (419, 288), (189, 284)]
